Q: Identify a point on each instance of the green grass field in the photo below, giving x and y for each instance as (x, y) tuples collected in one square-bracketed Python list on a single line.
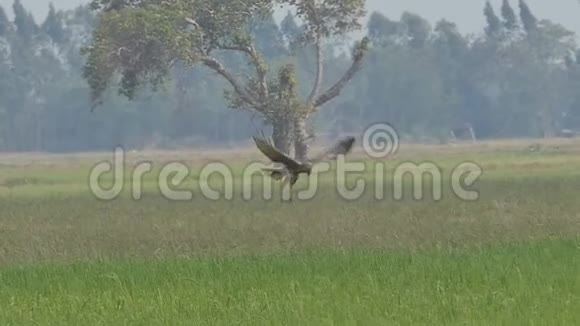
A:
[(511, 257)]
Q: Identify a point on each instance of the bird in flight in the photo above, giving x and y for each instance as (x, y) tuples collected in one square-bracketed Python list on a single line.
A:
[(291, 169)]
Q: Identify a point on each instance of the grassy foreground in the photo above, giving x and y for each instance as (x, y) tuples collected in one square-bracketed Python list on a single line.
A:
[(511, 257), (525, 284)]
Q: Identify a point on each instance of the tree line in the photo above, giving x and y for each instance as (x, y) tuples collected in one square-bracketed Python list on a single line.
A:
[(518, 77)]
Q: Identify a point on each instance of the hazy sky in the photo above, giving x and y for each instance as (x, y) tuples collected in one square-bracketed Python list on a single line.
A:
[(466, 13)]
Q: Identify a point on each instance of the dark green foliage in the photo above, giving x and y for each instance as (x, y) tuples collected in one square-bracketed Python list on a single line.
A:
[(422, 80), (529, 21), (448, 36), (332, 18), (53, 25), (142, 43), (416, 28), (24, 21), (510, 19), (5, 24), (494, 26), (146, 43), (381, 29)]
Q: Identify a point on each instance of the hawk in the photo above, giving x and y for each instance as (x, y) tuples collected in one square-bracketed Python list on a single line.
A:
[(291, 169)]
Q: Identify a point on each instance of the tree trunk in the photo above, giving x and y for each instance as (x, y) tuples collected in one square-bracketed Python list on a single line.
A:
[(301, 138), (281, 135)]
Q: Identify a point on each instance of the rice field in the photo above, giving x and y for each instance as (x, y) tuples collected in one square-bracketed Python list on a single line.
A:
[(509, 257)]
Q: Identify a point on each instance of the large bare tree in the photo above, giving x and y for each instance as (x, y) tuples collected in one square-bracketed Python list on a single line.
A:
[(137, 42)]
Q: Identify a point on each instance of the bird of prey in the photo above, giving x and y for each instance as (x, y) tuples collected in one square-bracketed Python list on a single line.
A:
[(291, 169)]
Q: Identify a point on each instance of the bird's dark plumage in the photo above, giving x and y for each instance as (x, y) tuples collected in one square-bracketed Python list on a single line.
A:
[(292, 168), (276, 156), (343, 147)]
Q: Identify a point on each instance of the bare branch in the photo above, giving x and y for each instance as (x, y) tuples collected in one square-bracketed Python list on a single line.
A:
[(319, 69), (358, 56), (240, 90), (258, 63), (192, 22)]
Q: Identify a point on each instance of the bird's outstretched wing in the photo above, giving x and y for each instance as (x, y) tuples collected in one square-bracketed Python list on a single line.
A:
[(276, 156), (343, 147)]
